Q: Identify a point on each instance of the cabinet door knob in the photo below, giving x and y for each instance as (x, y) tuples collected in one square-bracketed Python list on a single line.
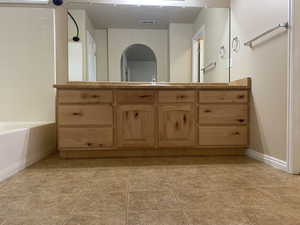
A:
[(241, 120), (207, 111), (184, 119), (89, 144)]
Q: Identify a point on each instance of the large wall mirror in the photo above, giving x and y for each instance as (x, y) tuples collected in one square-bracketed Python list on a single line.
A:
[(173, 42), (138, 64)]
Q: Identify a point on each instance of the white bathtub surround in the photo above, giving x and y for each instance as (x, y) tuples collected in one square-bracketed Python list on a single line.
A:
[(24, 143)]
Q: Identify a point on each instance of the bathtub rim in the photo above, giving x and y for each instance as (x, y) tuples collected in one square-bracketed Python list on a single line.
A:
[(32, 124)]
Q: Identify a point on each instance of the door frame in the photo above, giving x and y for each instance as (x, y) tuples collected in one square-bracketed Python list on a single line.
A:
[(195, 54), (293, 89)]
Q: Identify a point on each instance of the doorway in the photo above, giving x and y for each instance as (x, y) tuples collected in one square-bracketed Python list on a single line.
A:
[(138, 64), (198, 52)]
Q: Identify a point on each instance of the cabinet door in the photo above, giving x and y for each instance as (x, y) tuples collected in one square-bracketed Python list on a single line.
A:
[(176, 125), (135, 125)]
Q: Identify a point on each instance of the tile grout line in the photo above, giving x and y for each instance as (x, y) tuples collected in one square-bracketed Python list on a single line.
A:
[(181, 207), (127, 202)]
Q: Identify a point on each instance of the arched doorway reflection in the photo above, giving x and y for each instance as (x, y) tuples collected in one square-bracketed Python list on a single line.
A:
[(138, 64)]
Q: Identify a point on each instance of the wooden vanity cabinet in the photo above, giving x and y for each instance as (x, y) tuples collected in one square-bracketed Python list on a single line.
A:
[(99, 120), (84, 119), (223, 118), (135, 126), (176, 112)]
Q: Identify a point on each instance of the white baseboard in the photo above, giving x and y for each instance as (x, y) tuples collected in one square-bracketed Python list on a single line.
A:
[(269, 160)]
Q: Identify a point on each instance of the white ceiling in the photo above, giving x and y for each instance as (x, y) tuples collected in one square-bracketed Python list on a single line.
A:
[(130, 16)]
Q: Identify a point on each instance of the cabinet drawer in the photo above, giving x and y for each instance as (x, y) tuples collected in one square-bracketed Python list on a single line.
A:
[(223, 136), (85, 115), (84, 96), (176, 96), (223, 114), (223, 96), (85, 137), (135, 96)]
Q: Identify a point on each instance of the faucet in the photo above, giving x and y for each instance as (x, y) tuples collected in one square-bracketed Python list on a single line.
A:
[(154, 81)]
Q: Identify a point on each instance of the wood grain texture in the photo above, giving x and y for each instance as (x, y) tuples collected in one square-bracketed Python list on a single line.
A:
[(223, 96), (85, 115), (176, 125), (176, 96), (242, 82), (135, 96), (177, 120), (85, 137), (85, 96), (223, 114), (220, 136), (135, 125)]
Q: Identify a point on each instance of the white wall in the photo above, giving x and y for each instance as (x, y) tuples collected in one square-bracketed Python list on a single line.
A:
[(266, 64), (27, 64), (61, 44), (216, 22), (294, 141), (141, 71), (120, 39), (79, 16), (180, 52), (84, 24), (101, 42)]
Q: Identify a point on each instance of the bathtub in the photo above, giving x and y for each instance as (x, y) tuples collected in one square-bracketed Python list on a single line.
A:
[(24, 143)]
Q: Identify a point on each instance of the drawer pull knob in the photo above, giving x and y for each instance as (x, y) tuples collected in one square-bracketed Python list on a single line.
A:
[(145, 96), (77, 114), (89, 144), (95, 96), (181, 96), (241, 120), (236, 133), (207, 111), (241, 96), (136, 115)]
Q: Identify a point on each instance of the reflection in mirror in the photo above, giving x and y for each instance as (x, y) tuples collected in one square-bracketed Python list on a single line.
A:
[(211, 41), (170, 43), (138, 64)]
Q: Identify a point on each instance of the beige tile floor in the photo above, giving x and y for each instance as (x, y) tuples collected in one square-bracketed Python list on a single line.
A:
[(151, 191)]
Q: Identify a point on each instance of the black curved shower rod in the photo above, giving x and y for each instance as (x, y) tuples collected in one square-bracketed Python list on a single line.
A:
[(75, 38)]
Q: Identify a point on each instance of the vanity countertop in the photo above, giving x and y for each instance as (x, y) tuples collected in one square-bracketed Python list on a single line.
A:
[(238, 84)]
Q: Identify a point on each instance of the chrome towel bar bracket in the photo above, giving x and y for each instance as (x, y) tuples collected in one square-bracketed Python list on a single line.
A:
[(250, 43), (209, 67)]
